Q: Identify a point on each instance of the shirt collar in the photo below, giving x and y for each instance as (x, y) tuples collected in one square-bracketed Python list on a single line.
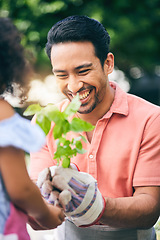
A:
[(120, 103)]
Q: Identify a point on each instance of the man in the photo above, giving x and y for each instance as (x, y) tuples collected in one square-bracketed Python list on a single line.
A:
[(123, 151)]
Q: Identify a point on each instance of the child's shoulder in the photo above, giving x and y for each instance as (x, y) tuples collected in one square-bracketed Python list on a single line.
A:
[(6, 111)]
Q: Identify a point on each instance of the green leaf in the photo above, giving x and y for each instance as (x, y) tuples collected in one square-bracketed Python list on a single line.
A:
[(78, 125), (66, 126), (66, 149), (73, 107), (80, 151), (53, 113), (57, 131), (83, 138), (66, 143), (62, 127), (62, 140), (66, 162), (59, 153), (32, 109), (78, 139), (43, 122), (79, 145)]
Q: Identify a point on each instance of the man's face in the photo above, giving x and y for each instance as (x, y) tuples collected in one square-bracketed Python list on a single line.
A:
[(78, 70)]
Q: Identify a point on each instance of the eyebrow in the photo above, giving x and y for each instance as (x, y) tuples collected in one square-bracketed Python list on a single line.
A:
[(57, 71), (84, 66), (79, 67)]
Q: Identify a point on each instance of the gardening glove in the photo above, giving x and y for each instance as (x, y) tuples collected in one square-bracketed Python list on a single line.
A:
[(80, 197), (44, 182)]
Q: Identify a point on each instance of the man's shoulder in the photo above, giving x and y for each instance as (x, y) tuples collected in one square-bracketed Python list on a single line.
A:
[(142, 108), (142, 103)]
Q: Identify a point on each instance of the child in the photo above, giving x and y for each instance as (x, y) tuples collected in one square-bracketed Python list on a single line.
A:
[(19, 196)]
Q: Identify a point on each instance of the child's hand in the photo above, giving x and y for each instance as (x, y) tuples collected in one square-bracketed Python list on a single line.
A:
[(57, 216), (53, 218), (34, 224)]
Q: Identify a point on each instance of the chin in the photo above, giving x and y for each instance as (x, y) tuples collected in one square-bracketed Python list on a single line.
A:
[(85, 110)]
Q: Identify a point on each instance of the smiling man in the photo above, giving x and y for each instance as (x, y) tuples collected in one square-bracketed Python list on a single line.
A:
[(123, 151), (78, 70)]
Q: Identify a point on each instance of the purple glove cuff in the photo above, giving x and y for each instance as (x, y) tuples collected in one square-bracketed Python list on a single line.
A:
[(79, 187), (77, 198)]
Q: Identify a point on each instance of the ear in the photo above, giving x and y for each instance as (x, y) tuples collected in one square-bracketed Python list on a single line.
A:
[(109, 63)]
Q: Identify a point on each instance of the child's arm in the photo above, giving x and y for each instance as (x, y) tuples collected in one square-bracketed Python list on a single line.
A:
[(23, 192)]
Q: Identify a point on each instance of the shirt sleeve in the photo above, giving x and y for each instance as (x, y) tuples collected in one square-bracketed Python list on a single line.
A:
[(147, 170), (18, 132)]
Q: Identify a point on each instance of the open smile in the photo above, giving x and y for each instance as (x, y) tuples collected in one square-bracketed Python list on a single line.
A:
[(83, 95)]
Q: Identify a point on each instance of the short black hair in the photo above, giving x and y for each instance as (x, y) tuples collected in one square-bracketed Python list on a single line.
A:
[(80, 28), (13, 65)]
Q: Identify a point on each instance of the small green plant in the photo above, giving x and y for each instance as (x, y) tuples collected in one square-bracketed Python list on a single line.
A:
[(66, 149)]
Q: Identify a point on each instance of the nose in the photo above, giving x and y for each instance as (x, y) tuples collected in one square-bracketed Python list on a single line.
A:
[(74, 84)]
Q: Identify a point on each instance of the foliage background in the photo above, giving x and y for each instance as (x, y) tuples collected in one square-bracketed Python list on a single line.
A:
[(134, 27)]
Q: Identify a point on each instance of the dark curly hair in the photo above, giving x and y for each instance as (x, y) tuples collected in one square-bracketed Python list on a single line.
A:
[(13, 65), (80, 28)]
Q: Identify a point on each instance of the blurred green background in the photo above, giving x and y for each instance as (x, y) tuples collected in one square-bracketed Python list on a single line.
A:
[(134, 27)]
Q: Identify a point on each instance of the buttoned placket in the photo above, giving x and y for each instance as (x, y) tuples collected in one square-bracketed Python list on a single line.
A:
[(96, 139)]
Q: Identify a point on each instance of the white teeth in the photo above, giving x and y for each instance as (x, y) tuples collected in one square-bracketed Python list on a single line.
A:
[(84, 95)]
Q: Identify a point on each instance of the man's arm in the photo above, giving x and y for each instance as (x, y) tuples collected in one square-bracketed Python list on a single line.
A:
[(140, 211)]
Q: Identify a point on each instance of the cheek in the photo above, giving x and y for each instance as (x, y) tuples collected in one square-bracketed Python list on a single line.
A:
[(98, 81), (61, 84)]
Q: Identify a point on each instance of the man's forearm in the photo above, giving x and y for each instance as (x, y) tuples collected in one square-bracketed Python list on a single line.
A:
[(131, 212)]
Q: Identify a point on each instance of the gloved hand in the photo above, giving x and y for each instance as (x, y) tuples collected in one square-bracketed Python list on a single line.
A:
[(44, 183), (48, 190), (76, 192), (80, 197)]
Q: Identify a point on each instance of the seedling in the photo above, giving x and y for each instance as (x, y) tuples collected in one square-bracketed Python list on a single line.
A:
[(66, 149)]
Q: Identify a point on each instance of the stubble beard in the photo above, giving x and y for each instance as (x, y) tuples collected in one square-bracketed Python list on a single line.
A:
[(91, 108), (85, 107)]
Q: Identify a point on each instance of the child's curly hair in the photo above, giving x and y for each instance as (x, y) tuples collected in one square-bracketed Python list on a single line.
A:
[(13, 65)]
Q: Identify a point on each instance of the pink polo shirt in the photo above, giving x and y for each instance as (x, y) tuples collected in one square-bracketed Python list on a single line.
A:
[(125, 148)]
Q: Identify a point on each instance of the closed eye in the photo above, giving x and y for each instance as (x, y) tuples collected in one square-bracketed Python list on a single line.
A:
[(84, 72), (61, 76)]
